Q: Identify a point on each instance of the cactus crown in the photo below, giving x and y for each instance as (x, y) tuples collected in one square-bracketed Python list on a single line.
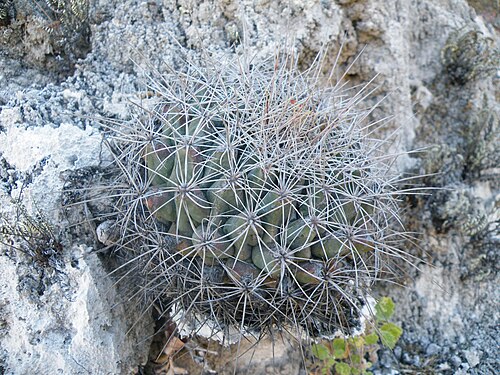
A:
[(254, 197)]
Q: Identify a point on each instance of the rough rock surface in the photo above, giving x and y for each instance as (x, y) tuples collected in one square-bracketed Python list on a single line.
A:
[(431, 58)]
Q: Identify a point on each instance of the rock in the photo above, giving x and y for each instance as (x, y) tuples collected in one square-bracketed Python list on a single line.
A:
[(397, 352), (455, 361), (76, 321), (473, 357), (386, 360), (432, 349), (106, 233), (464, 368), (406, 358), (416, 361)]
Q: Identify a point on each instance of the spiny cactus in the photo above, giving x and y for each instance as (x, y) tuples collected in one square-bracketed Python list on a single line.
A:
[(253, 196)]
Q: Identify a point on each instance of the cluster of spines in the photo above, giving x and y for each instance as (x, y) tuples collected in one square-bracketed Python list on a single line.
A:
[(253, 198)]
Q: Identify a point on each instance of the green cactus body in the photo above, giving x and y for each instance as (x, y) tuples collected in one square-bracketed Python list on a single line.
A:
[(308, 273), (303, 253), (218, 162), (330, 247), (159, 161), (187, 163), (244, 226), (256, 177), (224, 197), (272, 215), (363, 243), (244, 272), (266, 260), (299, 233), (211, 243), (162, 206), (183, 221), (242, 249)]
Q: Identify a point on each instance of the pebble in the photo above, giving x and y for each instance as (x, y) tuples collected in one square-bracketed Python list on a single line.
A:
[(386, 360), (424, 341), (455, 361), (406, 358), (106, 233), (472, 357), (397, 352), (432, 349), (444, 366), (416, 361)]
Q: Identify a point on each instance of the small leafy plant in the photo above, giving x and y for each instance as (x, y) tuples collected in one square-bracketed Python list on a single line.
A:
[(355, 355)]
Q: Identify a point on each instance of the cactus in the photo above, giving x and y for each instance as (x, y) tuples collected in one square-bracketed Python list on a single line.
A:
[(254, 197)]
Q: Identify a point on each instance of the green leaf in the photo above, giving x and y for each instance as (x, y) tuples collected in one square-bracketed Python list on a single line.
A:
[(356, 359), (384, 308), (339, 348), (358, 342), (321, 352), (371, 339), (390, 334), (342, 368), (330, 362)]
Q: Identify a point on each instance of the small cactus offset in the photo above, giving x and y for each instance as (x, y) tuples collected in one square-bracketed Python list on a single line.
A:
[(254, 197)]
